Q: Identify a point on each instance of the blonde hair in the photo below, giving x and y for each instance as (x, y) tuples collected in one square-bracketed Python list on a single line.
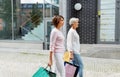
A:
[(72, 20)]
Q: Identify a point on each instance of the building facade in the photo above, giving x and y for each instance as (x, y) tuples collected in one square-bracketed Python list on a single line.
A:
[(88, 19), (99, 20)]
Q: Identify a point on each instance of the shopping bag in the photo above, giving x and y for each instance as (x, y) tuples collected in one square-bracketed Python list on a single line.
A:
[(71, 69), (43, 72), (66, 56)]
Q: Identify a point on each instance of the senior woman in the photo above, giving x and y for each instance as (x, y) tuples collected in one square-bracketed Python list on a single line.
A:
[(73, 44)]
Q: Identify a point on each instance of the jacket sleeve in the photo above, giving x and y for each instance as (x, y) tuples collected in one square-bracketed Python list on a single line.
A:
[(53, 38), (70, 41)]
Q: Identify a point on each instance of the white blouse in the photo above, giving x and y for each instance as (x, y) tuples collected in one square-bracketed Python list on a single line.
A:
[(73, 43)]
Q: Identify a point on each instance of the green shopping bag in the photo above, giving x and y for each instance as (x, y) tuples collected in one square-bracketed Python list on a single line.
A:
[(43, 72)]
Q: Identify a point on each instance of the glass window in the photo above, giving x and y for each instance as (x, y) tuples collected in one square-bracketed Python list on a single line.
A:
[(29, 6), (25, 20), (107, 21), (6, 19)]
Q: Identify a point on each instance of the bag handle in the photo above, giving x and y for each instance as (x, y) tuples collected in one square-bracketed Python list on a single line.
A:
[(49, 67)]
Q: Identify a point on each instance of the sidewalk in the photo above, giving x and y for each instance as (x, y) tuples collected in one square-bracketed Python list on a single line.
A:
[(19, 64)]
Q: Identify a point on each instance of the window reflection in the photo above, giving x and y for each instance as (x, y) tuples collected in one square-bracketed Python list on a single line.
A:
[(24, 28)]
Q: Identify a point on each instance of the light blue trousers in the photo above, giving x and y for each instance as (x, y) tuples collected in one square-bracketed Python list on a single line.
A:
[(78, 60)]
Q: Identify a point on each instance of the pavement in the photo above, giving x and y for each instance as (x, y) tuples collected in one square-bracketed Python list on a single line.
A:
[(24, 63)]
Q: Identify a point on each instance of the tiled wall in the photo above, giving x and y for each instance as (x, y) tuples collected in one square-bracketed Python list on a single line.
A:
[(88, 19)]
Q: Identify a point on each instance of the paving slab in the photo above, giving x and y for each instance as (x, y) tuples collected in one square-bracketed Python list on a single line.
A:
[(22, 64)]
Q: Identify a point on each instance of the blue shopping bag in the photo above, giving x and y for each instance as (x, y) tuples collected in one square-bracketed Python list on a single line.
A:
[(43, 72)]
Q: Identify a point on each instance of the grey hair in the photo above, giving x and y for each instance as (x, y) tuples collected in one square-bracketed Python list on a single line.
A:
[(72, 20)]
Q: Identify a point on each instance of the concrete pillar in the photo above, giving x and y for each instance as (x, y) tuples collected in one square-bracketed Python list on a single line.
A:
[(62, 11)]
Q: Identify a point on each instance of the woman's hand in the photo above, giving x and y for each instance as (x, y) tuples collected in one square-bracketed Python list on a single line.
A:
[(71, 55), (50, 63)]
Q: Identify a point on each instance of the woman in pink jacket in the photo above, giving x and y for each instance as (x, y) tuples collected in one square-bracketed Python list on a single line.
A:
[(57, 45)]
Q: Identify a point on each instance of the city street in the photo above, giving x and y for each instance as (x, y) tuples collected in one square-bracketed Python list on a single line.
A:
[(27, 35), (22, 64)]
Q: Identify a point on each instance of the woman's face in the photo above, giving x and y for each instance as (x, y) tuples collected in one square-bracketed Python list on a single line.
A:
[(61, 22), (76, 23)]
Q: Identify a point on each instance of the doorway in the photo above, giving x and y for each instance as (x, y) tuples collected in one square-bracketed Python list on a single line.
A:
[(117, 35), (48, 29)]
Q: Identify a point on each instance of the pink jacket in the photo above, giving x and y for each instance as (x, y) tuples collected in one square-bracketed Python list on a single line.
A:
[(56, 41)]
